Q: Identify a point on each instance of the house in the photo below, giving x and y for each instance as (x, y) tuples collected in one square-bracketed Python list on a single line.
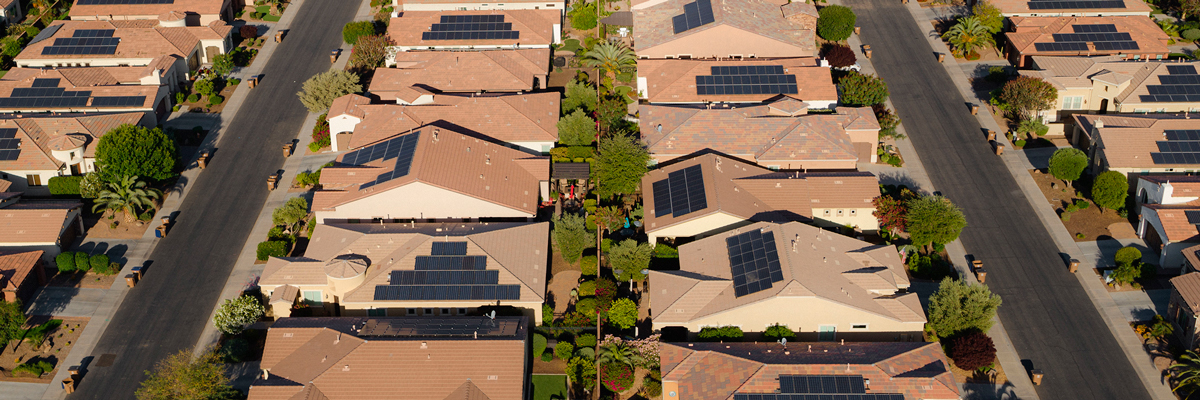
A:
[(21, 273), (423, 358), (145, 90), (1052, 8), (418, 73), (1110, 84), (462, 5), (1133, 37), (1135, 144), (475, 30), (1167, 190), (38, 147), (524, 121), (10, 11), (722, 29), (399, 269), (777, 135), (821, 370), (126, 43), (712, 193), (38, 225), (849, 289), (433, 173), (1184, 307), (190, 12), (746, 81), (1168, 229)]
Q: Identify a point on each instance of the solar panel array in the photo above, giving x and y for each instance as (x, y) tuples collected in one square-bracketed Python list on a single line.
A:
[(681, 193), (1181, 84), (1064, 5), (45, 97), (84, 41), (821, 384), (10, 146), (441, 327), (1181, 147), (854, 396), (399, 148), (695, 14), (45, 83), (118, 101), (1103, 36), (1060, 46), (45, 33), (754, 262), (1193, 217), (462, 27), (447, 274), (105, 2), (1088, 28), (445, 277), (449, 249), (746, 79), (458, 292), (451, 263)]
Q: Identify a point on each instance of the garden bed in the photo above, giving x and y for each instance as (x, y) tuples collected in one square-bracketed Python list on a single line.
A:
[(78, 279), (97, 226), (53, 351), (964, 376), (1087, 224)]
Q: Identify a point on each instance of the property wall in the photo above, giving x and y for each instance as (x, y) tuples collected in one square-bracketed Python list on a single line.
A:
[(696, 226), (536, 148), (806, 315), (420, 200), (861, 219)]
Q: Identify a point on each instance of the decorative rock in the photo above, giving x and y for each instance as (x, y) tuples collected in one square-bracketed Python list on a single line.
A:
[(1053, 185)]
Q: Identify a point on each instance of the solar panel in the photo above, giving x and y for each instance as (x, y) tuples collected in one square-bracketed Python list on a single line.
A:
[(1065, 46), (1181, 69), (1094, 28), (44, 83), (1130, 45), (753, 261), (137, 2), (852, 396), (118, 101), (454, 19), (1091, 37), (1179, 79), (695, 14), (1179, 134), (8, 133), (84, 41), (471, 27), (681, 193), (1179, 146), (449, 249), (10, 144), (1193, 217), (451, 263), (447, 292), (457, 326), (9, 155), (46, 33), (1063, 5), (831, 384), (437, 277)]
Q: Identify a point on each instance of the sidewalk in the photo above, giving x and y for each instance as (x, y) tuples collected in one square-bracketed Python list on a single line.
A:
[(1017, 163)]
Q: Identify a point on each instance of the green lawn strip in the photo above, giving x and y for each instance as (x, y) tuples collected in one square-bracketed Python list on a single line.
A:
[(547, 387)]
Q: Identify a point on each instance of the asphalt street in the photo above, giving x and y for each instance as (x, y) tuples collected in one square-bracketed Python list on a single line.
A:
[(1048, 315), (167, 311)]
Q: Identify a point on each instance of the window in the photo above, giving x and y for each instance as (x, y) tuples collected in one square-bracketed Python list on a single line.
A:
[(773, 167), (72, 155), (429, 311), (377, 312), (312, 297), (1072, 103), (859, 326), (411, 311), (34, 179), (445, 311), (1141, 110), (826, 333), (462, 311)]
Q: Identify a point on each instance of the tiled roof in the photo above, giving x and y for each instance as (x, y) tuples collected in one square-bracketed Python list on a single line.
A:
[(1080, 72), (535, 27), (737, 20), (468, 71), (1188, 285), (1130, 147), (4, 185), (448, 160), (205, 7), (674, 81), (97, 80), (34, 222), (530, 117), (36, 131), (16, 266), (1008, 7), (348, 105), (715, 371), (755, 132), (1175, 222), (145, 42), (1029, 30), (819, 269), (750, 192)]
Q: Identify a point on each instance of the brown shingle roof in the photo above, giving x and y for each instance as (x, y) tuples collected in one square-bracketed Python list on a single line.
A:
[(206, 7), (530, 117), (535, 27), (34, 222), (1188, 286), (135, 42), (756, 18), (674, 81), (38, 130), (1029, 30), (468, 71)]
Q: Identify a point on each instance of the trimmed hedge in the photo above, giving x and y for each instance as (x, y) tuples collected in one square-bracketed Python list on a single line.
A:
[(82, 261), (99, 263), (354, 30), (65, 261), (724, 333), (67, 185), (271, 248)]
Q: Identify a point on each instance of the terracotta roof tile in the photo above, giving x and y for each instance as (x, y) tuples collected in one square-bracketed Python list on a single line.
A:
[(206, 7), (137, 41), (468, 71), (1175, 222), (1123, 147), (535, 27), (38, 130), (674, 81), (530, 117), (34, 222), (1009, 7), (1029, 30), (16, 266), (739, 27), (1188, 286)]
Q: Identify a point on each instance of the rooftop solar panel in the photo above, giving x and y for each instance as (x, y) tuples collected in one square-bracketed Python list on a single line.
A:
[(8, 133), (1181, 69), (1094, 28), (441, 277), (10, 144), (817, 384), (1179, 146), (1182, 134), (449, 249), (45, 33), (695, 14), (453, 19), (1193, 217), (44, 83), (457, 326), (852, 396), (1179, 79), (681, 193), (471, 27), (451, 263), (1064, 5), (448, 292), (1064, 46), (1104, 46), (753, 261), (1092, 37), (9, 155)]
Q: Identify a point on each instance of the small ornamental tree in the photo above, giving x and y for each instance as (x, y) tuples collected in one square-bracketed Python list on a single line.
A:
[(320, 90), (248, 31), (631, 258), (572, 237), (1191, 35), (968, 36), (370, 52), (934, 220), (131, 150), (777, 331), (12, 322), (235, 314), (989, 16), (576, 129), (888, 122), (835, 23), (578, 95), (82, 262), (972, 351), (290, 214), (352, 31), (623, 313), (862, 90), (564, 350), (1109, 190), (223, 64), (892, 213), (1127, 256), (1068, 163), (1027, 96), (65, 262), (585, 340), (582, 371), (958, 306), (619, 166), (182, 376), (91, 185), (839, 56)]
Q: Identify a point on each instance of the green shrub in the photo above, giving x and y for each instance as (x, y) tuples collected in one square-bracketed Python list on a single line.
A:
[(1191, 35), (777, 331), (234, 81), (65, 185), (1128, 255), (661, 250), (651, 387), (65, 262), (586, 340), (547, 356), (1066, 216), (98, 262), (547, 314), (586, 306), (235, 350), (215, 99), (354, 30), (587, 288), (271, 248), (1082, 204), (564, 350), (1080, 236), (180, 97), (588, 265), (583, 17), (835, 23), (33, 369), (193, 98), (617, 377), (539, 343), (1019, 143), (724, 333), (82, 261)]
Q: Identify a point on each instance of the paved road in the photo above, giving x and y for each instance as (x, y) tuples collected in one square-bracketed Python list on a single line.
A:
[(1047, 313), (167, 311)]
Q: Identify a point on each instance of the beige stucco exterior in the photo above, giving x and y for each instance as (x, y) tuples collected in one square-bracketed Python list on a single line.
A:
[(724, 41), (805, 316), (696, 226), (1171, 253), (860, 218), (477, 5), (1100, 97), (192, 19), (419, 200)]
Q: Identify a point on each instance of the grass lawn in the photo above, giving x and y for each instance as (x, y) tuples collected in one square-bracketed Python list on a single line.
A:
[(267, 11), (546, 387), (2, 73)]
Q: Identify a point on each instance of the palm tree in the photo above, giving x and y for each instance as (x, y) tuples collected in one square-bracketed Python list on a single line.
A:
[(969, 35), (618, 353), (612, 58), (1187, 374), (126, 195)]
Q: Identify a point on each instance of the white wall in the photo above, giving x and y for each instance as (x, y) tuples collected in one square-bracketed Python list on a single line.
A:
[(421, 200), (863, 220), (694, 227), (501, 5), (805, 314)]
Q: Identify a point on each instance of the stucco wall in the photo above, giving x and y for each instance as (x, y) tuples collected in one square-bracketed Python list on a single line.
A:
[(724, 41), (861, 219), (20, 184), (420, 200), (694, 227), (804, 315)]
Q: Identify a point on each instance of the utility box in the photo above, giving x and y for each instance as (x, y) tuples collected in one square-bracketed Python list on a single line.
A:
[(131, 280)]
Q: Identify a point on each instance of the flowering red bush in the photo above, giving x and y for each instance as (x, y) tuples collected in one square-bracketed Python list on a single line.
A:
[(617, 377), (320, 134), (972, 351), (839, 56)]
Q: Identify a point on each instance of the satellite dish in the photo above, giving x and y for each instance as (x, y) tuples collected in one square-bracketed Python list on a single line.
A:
[(492, 314), (783, 340)]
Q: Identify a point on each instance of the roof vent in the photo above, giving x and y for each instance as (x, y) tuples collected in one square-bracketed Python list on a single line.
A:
[(346, 368), (424, 345), (487, 159)]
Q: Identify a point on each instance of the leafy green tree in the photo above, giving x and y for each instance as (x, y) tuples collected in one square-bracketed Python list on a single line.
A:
[(223, 64), (619, 166), (1027, 96), (126, 195), (623, 313), (835, 23), (65, 262), (631, 258), (611, 58), (888, 122), (1128, 255), (777, 331), (1186, 374), (618, 353), (564, 349), (583, 16), (968, 36), (91, 185), (12, 322), (320, 90), (370, 52), (1109, 190), (1189, 7), (862, 90), (291, 213), (182, 376), (611, 218), (235, 314), (352, 31), (572, 237), (611, 114), (131, 150), (958, 306), (204, 86), (989, 16), (576, 129), (582, 371), (934, 219), (1068, 163), (578, 95)]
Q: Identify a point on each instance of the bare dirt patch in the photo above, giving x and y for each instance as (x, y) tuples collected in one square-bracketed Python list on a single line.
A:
[(964, 376), (53, 350), (1085, 225), (77, 279)]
